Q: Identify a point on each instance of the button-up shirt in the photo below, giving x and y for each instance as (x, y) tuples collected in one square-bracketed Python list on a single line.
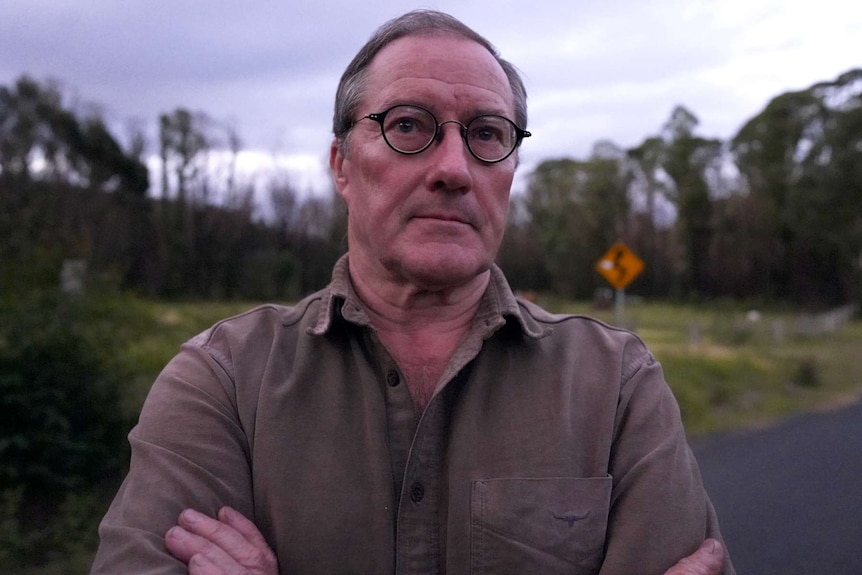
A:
[(551, 445)]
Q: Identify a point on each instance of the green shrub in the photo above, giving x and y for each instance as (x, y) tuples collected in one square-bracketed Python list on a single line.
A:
[(62, 422), (60, 426)]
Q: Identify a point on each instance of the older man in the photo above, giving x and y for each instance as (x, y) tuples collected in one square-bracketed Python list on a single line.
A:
[(414, 416)]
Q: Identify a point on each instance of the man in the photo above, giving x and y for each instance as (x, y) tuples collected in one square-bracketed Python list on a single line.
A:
[(414, 417)]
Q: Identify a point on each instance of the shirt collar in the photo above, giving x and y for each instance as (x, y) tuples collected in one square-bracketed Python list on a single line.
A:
[(498, 307)]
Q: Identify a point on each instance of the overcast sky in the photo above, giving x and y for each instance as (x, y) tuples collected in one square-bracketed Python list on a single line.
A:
[(594, 70)]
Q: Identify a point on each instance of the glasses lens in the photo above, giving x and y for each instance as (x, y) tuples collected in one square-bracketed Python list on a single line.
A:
[(408, 129), (491, 138)]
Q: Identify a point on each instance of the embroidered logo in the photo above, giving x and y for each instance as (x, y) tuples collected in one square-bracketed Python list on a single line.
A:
[(571, 518)]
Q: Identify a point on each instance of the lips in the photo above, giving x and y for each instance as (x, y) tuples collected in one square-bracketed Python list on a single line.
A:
[(445, 221), (462, 214), (455, 218)]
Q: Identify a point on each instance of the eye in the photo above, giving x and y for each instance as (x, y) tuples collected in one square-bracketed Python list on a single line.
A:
[(406, 120), (405, 125), (486, 133), (489, 129)]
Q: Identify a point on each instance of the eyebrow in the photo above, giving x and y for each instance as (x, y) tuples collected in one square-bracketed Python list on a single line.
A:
[(475, 113)]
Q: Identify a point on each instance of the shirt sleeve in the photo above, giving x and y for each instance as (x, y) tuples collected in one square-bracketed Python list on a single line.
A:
[(188, 449), (659, 510)]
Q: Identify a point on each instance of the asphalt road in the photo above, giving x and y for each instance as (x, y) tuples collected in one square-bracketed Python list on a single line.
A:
[(789, 498)]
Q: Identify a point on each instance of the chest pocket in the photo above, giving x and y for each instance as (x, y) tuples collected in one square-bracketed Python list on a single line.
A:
[(539, 525)]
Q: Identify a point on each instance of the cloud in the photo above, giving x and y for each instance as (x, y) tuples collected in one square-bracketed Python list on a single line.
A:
[(611, 70)]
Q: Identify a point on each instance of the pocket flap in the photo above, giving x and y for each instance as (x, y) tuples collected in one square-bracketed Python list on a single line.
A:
[(563, 517)]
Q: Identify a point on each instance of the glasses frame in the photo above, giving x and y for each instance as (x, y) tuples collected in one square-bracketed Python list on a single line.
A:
[(380, 117)]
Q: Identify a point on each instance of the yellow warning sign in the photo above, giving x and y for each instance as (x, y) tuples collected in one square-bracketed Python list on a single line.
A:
[(619, 265)]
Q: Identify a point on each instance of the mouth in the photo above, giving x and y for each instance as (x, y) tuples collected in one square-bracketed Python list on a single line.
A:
[(444, 217)]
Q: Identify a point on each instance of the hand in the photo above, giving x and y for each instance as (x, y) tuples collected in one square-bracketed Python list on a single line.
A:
[(707, 560), (228, 545)]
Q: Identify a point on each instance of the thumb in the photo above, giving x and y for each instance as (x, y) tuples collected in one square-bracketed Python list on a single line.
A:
[(707, 560)]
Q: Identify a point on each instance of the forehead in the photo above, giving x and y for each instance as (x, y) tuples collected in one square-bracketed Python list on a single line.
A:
[(440, 70)]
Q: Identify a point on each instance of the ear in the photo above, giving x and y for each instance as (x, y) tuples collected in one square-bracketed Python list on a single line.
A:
[(336, 166)]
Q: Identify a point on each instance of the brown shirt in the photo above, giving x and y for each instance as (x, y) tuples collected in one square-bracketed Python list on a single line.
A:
[(553, 446)]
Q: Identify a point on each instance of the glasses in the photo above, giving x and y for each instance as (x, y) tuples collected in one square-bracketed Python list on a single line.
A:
[(411, 130)]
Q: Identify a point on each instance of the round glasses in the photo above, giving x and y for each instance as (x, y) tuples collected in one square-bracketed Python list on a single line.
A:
[(411, 130)]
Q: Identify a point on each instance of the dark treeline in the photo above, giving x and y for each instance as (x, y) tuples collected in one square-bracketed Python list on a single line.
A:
[(772, 215), (70, 193)]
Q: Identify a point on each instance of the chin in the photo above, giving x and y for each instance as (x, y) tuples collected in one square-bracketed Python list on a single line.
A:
[(445, 272)]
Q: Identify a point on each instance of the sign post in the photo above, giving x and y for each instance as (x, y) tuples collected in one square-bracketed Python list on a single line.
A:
[(619, 266)]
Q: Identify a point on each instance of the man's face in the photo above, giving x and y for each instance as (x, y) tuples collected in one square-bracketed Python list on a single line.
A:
[(433, 219)]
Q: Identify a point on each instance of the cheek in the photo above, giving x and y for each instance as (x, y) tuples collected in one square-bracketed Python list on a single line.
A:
[(358, 186), (386, 193), (497, 202), (372, 206)]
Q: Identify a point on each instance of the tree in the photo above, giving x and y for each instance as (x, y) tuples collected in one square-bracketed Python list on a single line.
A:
[(551, 203), (183, 143), (576, 210), (607, 180), (800, 158), (35, 125), (689, 160), (25, 110), (520, 253), (184, 139), (650, 182), (106, 165)]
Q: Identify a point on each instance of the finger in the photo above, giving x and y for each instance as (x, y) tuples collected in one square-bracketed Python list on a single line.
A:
[(203, 564), (252, 553), (235, 519), (213, 531), (184, 545), (707, 560), (256, 554), (201, 555)]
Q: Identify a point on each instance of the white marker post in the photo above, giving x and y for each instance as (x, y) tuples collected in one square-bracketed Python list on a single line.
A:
[(620, 306)]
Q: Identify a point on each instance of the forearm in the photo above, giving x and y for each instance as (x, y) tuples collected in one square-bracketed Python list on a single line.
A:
[(188, 451), (660, 512)]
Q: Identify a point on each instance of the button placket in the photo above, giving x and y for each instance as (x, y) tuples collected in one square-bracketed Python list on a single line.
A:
[(418, 522)]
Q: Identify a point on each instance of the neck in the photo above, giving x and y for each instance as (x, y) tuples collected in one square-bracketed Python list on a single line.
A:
[(405, 308), (420, 327)]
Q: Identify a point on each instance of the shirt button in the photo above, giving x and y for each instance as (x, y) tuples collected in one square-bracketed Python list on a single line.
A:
[(417, 492), (392, 378)]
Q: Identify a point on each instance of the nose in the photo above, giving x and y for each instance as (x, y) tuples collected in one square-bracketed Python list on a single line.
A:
[(450, 170)]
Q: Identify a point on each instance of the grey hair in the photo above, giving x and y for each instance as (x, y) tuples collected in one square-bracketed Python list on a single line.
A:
[(351, 88)]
